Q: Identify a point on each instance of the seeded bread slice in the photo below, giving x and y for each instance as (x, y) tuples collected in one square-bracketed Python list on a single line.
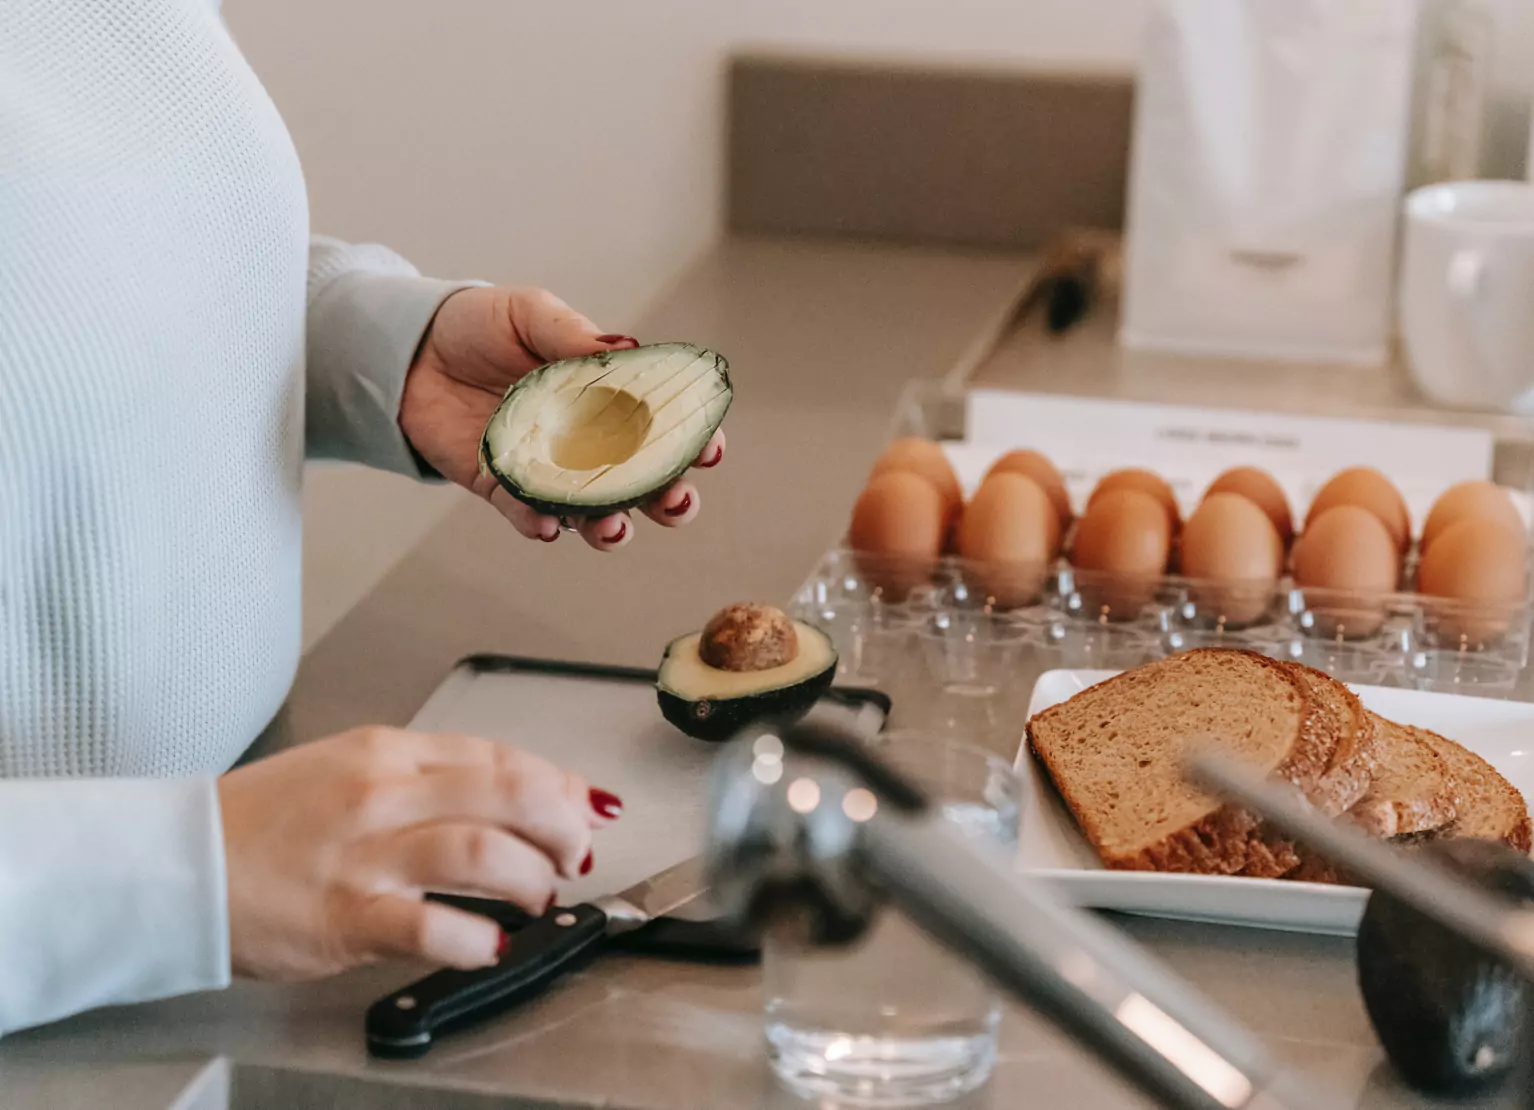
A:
[(1355, 761), (1348, 775), (1114, 752), (1491, 808), (1415, 792)]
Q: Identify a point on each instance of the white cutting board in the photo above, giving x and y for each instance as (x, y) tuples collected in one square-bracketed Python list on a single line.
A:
[(1052, 847), (612, 733)]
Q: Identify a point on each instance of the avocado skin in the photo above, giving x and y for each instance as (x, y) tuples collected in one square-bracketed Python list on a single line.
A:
[(559, 508), (1450, 1019), (727, 717)]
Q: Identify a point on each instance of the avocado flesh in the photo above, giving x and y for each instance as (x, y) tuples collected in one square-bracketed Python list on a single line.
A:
[(712, 704), (594, 435)]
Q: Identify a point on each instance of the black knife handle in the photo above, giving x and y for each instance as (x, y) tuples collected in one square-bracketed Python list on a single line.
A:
[(404, 1023), (690, 941)]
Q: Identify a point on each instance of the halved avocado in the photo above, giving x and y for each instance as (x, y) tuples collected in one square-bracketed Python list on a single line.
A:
[(595, 435), (711, 703)]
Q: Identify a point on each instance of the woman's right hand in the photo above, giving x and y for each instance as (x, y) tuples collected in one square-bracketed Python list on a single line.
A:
[(331, 846)]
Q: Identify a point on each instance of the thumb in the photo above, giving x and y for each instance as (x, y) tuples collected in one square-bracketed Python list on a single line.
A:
[(552, 330)]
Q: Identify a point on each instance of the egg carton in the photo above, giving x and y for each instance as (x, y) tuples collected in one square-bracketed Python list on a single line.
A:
[(926, 627)]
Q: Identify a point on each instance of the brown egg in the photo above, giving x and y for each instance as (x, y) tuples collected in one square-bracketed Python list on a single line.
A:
[(1142, 481), (897, 531), (1481, 563), (1368, 489), (1033, 465), (927, 458), (1231, 542), (1347, 561), (1258, 487), (1479, 500), (1126, 536), (1010, 531)]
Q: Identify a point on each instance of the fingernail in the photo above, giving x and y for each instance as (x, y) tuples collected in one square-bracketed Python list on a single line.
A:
[(552, 899), (681, 507), (587, 864), (618, 340), (551, 537), (606, 804), (503, 946), (718, 456), (617, 537)]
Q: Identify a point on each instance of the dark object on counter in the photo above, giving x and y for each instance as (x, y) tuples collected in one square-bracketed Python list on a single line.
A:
[(737, 673), (1451, 1019), (1079, 271), (589, 436), (405, 1024)]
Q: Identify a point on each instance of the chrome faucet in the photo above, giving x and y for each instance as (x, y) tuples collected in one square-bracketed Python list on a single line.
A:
[(823, 857)]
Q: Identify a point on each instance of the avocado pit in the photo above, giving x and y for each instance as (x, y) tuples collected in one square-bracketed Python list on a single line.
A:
[(749, 637)]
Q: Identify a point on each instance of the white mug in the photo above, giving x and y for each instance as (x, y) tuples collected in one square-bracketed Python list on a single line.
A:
[(1467, 293)]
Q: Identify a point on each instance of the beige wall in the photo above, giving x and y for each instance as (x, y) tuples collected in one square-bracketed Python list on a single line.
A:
[(575, 146)]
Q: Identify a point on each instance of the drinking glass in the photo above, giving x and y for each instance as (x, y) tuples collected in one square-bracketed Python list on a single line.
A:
[(895, 1019), (968, 679)]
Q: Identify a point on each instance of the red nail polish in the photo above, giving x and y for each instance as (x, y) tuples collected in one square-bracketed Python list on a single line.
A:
[(606, 804), (552, 899), (617, 537), (680, 509), (618, 340), (587, 864), (503, 946), (716, 460)]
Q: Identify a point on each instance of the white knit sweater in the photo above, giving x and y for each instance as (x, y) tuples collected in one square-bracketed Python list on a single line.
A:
[(172, 344)]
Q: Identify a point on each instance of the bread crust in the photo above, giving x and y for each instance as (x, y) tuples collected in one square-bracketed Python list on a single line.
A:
[(1518, 832), (1228, 839), (1347, 778)]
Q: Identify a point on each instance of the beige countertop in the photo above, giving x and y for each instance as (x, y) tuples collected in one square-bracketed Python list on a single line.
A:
[(821, 338)]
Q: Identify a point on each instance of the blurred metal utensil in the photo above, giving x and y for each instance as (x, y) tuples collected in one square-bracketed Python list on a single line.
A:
[(811, 828)]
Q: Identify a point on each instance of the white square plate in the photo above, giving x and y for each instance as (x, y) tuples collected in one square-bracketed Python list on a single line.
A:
[(1501, 732)]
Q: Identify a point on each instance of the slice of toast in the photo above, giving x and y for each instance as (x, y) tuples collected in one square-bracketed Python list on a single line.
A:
[(1115, 752), (1491, 808), (1415, 790), (1348, 774), (1354, 763)]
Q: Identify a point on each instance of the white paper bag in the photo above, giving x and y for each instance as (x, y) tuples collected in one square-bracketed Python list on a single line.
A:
[(1270, 147)]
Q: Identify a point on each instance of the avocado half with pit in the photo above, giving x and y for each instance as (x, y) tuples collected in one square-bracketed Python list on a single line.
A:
[(750, 665), (596, 435)]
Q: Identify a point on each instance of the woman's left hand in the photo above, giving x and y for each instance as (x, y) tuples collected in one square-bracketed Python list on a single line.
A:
[(481, 341)]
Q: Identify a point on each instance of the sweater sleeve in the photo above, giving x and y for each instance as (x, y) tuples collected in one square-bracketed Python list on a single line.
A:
[(111, 891), (368, 311)]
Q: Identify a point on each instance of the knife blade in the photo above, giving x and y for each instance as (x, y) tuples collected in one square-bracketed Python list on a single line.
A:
[(405, 1023)]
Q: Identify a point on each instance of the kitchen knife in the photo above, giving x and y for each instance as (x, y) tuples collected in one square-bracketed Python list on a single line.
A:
[(683, 937), (404, 1023)]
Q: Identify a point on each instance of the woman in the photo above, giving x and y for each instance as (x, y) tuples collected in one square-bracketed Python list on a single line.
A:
[(172, 344)]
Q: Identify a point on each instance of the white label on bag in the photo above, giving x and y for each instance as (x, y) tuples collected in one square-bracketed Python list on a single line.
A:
[(1190, 447)]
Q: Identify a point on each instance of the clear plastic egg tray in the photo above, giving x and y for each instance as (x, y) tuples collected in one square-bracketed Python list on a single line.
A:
[(956, 650), (950, 625)]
